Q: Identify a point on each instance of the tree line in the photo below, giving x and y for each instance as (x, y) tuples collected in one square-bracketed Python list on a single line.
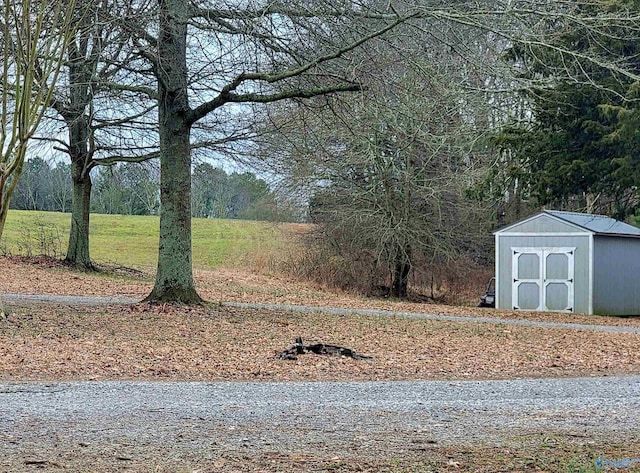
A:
[(134, 189), (578, 148)]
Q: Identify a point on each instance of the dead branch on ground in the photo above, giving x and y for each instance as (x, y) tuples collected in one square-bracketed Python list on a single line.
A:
[(300, 348)]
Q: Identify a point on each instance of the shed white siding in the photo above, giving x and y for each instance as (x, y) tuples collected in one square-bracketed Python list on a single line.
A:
[(543, 224), (504, 267)]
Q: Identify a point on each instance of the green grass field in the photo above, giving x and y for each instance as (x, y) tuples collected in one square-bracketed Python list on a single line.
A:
[(132, 241)]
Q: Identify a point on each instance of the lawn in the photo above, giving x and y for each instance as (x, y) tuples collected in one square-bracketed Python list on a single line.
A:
[(132, 241)]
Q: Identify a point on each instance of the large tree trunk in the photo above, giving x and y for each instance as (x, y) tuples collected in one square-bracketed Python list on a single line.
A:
[(78, 249), (400, 280), (174, 278)]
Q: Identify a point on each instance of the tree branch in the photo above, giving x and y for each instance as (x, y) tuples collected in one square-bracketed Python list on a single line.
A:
[(214, 14), (110, 160), (293, 94), (226, 95)]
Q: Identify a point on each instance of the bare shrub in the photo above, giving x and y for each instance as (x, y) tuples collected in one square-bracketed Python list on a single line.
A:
[(5, 249), (317, 263), (308, 256), (459, 282), (40, 238)]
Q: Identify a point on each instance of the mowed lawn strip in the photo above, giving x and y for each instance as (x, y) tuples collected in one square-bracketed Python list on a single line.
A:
[(221, 343)]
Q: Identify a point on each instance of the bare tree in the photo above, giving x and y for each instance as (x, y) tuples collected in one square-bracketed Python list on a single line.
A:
[(105, 102), (387, 174), (206, 58), (387, 170), (258, 52), (32, 58)]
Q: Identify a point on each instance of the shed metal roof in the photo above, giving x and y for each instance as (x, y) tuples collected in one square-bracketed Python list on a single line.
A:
[(598, 224)]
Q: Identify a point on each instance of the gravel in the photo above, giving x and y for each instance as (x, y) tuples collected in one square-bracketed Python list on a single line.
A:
[(70, 300), (371, 418), (441, 317)]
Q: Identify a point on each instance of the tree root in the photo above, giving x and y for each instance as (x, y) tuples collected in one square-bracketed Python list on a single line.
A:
[(300, 348)]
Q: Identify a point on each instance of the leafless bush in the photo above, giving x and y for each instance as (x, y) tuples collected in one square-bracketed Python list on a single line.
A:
[(5, 249), (40, 239), (458, 282), (310, 258)]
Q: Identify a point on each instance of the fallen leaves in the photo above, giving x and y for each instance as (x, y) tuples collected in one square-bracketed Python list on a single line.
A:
[(214, 342), (221, 343)]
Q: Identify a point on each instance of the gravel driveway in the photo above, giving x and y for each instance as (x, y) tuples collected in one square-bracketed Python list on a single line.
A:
[(133, 420)]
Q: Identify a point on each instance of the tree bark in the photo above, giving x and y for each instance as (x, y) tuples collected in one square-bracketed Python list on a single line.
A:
[(174, 278), (78, 250), (7, 187), (4, 208), (401, 276)]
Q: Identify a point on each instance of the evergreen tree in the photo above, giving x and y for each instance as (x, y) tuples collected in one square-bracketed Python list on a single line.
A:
[(581, 149)]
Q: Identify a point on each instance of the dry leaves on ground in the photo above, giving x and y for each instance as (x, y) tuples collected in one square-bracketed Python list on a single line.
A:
[(221, 343), (42, 276)]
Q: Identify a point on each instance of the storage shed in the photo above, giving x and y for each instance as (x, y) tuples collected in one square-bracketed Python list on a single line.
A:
[(569, 262)]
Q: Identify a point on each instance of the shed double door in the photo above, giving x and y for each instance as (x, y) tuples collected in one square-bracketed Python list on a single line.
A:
[(543, 279)]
